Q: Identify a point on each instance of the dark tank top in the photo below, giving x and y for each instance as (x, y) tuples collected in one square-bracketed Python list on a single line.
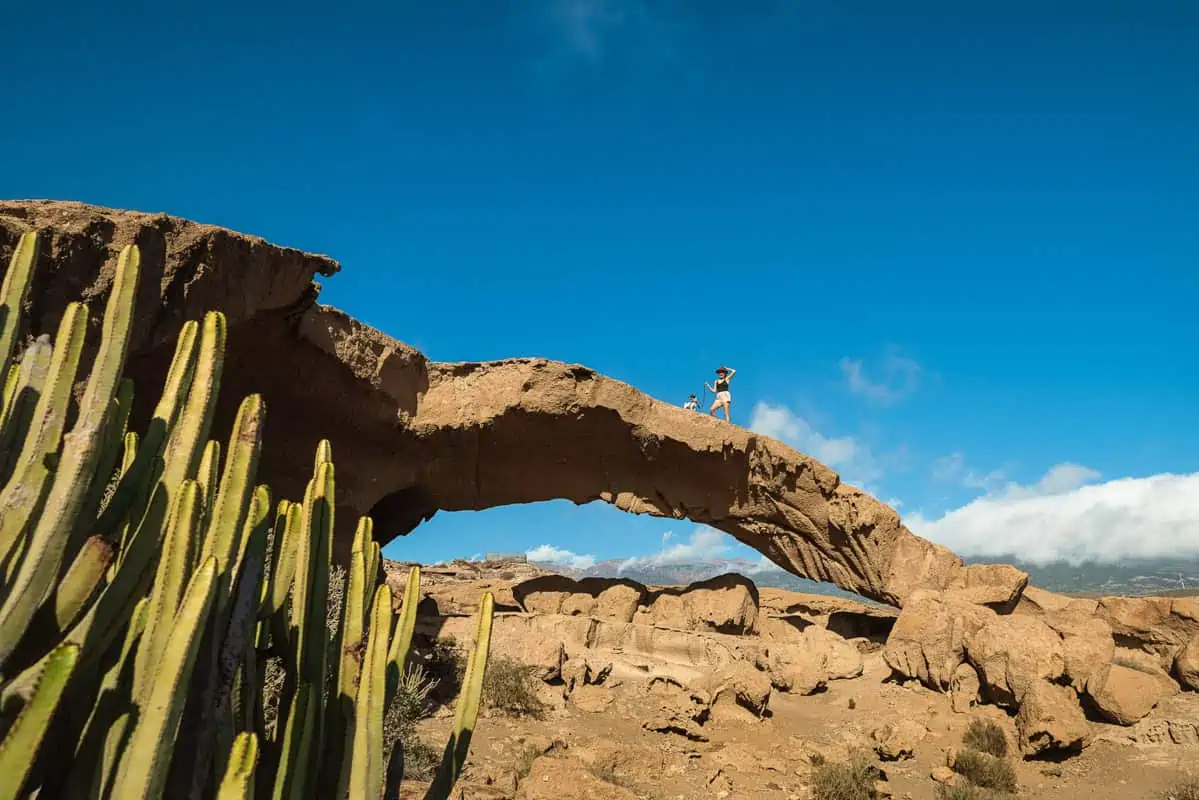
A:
[(722, 384)]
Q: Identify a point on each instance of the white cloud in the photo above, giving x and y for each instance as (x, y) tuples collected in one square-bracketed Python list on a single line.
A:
[(1068, 516), (844, 453), (900, 378), (556, 555), (705, 543)]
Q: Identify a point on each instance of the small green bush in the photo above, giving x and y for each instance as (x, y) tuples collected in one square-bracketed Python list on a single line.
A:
[(985, 737), (985, 770), (852, 780)]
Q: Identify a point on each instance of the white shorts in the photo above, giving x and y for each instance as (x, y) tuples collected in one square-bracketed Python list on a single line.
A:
[(724, 397)]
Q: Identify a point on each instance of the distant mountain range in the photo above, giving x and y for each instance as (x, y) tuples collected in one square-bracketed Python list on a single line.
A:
[(1139, 577)]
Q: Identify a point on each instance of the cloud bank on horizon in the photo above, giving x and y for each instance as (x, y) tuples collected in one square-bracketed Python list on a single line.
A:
[(1067, 515)]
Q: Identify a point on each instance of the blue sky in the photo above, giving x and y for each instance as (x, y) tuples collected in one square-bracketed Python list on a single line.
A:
[(950, 247)]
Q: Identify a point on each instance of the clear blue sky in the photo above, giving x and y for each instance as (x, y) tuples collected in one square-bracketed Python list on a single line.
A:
[(941, 240)]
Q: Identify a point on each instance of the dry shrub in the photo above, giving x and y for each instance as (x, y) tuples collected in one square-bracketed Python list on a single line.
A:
[(985, 737), (1186, 789), (509, 686), (399, 724), (985, 770), (852, 780)]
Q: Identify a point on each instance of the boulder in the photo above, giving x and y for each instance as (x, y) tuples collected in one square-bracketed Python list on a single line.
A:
[(798, 667), (1012, 653), (725, 604), (1161, 626), (842, 661), (1129, 694), (898, 740), (964, 688), (928, 640), (1087, 646), (744, 685), (1186, 664), (1050, 719)]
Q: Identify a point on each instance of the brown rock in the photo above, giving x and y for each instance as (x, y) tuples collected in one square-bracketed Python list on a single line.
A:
[(1129, 694), (842, 661), (964, 689), (927, 642), (1050, 719), (1012, 653), (799, 667), (894, 741), (743, 685), (412, 437), (725, 604), (944, 775), (1161, 626), (603, 598), (1186, 664), (592, 699)]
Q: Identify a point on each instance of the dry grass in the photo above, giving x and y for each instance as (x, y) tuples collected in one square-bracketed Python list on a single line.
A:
[(509, 687), (1186, 789), (985, 737), (399, 724), (967, 792), (985, 770), (852, 780)]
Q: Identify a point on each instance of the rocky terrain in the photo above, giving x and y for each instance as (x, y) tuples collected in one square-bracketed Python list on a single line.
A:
[(719, 689), (722, 689)]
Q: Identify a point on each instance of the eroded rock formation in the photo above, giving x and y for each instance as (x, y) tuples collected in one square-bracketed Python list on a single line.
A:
[(413, 437)]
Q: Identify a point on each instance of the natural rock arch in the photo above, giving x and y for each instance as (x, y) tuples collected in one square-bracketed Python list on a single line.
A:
[(412, 437)]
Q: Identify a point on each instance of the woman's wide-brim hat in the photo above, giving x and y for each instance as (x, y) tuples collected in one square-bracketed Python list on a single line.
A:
[(721, 369)]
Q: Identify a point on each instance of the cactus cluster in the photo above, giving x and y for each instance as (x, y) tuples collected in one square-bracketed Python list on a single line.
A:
[(146, 581)]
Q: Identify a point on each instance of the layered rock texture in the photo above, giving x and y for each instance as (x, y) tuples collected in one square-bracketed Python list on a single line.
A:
[(414, 437)]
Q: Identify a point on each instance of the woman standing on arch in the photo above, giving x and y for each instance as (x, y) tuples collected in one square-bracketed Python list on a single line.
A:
[(721, 390)]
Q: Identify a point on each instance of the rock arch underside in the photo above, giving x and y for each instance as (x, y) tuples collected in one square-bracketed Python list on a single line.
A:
[(412, 436)]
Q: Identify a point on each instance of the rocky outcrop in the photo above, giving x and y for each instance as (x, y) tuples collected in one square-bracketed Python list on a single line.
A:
[(413, 437)]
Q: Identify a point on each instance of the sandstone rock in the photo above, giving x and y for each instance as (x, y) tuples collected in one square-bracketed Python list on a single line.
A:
[(1012, 653), (673, 708), (413, 437), (1087, 646), (927, 642), (1161, 626), (964, 688), (562, 778), (744, 685), (799, 667), (987, 584), (591, 699), (604, 598), (1051, 719), (944, 775), (1186, 664), (894, 741), (842, 661), (584, 670), (1129, 694), (724, 604)]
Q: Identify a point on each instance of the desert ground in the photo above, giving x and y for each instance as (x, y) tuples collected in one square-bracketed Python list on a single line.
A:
[(663, 724)]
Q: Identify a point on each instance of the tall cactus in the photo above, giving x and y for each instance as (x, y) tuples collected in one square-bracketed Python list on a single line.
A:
[(145, 586)]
